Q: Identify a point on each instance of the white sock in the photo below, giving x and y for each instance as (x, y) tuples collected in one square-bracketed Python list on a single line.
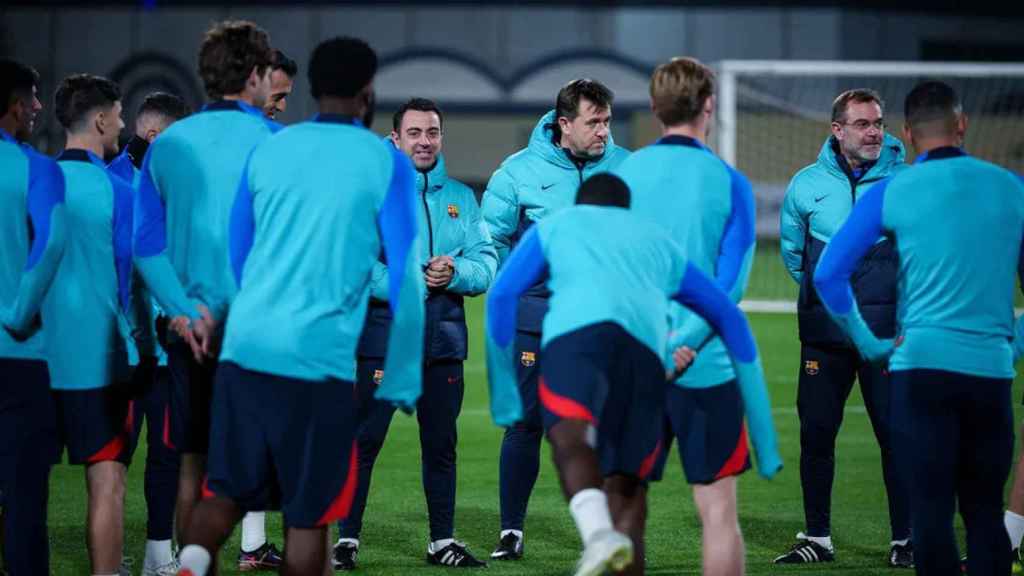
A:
[(254, 531), (353, 541), (825, 541), (589, 508), (1014, 527), (158, 553), (194, 558), (903, 542), (518, 533), (439, 544)]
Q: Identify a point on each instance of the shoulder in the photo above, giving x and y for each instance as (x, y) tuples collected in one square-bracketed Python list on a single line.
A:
[(519, 164), (811, 175)]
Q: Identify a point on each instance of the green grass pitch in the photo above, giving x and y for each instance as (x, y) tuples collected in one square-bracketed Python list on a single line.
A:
[(395, 533)]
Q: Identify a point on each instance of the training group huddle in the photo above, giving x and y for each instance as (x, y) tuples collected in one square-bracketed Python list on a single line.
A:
[(221, 264)]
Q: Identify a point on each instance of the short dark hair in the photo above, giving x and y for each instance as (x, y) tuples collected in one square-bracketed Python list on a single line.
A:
[(341, 67), (419, 105), (285, 64), (858, 95), (929, 101), (567, 104), (80, 94), (165, 104), (16, 80), (229, 53), (604, 189)]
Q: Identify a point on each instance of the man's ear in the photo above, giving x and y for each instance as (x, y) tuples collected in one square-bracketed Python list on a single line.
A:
[(100, 121)]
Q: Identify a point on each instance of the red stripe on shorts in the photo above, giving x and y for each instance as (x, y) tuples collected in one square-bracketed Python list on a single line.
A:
[(167, 428), (648, 464), (734, 465), (562, 406), (342, 504)]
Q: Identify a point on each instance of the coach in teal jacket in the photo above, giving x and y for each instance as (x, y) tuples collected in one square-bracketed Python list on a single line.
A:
[(857, 155), (456, 229), (570, 144), (457, 259)]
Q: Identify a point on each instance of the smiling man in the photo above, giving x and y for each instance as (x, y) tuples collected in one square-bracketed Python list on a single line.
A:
[(282, 79), (857, 154), (458, 260)]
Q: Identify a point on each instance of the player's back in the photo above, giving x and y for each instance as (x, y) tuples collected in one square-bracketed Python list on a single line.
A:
[(316, 190), (195, 166), (686, 189), (85, 347), (15, 241), (683, 187), (958, 223), (607, 264)]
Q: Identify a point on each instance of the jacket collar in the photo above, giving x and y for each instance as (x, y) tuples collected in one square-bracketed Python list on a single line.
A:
[(893, 154), (80, 155), (942, 153)]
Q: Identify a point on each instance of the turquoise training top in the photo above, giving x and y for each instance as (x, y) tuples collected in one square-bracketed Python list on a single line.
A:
[(32, 239), (315, 204), (958, 224)]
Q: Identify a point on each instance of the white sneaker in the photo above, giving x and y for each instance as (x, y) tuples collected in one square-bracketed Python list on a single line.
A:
[(169, 569), (608, 549)]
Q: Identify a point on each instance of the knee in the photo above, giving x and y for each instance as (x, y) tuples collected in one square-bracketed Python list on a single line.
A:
[(818, 435), (718, 516), (524, 432)]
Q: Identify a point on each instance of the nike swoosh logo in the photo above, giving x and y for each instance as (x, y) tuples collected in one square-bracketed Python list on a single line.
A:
[(545, 186)]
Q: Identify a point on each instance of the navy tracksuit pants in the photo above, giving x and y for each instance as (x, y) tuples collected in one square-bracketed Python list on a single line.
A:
[(826, 379), (520, 447), (28, 448), (436, 411), (152, 403), (953, 434)]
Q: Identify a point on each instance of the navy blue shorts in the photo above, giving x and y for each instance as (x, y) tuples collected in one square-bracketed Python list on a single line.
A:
[(190, 396), (708, 423), (602, 374), (96, 425), (283, 443)]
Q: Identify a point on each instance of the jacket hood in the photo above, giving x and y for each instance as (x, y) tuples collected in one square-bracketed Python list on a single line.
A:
[(542, 145)]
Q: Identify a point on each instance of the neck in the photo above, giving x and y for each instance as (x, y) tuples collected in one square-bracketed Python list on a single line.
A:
[(240, 97), (925, 145), (853, 163), (85, 142), (9, 125), (563, 142), (689, 130), (342, 106)]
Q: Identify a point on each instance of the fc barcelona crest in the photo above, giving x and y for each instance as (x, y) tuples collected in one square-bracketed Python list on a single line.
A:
[(378, 377), (453, 211), (811, 367), (528, 359)]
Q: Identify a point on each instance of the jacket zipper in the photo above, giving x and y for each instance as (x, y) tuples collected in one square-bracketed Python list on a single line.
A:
[(426, 209)]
